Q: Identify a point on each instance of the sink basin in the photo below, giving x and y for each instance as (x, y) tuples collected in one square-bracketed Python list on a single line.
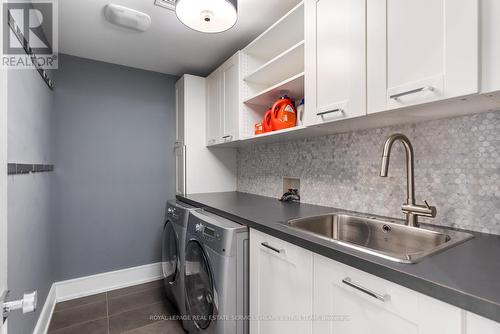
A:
[(390, 240)]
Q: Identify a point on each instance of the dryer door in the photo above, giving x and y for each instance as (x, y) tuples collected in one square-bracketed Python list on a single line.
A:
[(170, 253), (199, 285)]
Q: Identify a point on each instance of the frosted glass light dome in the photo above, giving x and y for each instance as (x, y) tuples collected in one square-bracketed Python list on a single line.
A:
[(210, 16)]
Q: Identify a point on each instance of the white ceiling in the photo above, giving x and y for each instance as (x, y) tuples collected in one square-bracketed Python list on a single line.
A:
[(169, 46)]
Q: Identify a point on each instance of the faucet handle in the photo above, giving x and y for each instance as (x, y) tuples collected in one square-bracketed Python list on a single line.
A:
[(420, 210), (431, 209)]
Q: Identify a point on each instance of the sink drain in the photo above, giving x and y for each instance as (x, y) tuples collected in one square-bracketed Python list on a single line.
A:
[(386, 228)]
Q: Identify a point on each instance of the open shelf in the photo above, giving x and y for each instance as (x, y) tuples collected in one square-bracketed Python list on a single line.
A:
[(277, 132), (287, 31), (293, 87), (279, 68), (300, 131), (272, 66)]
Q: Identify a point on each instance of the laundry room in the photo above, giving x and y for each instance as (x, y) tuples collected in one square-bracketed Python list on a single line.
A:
[(250, 167)]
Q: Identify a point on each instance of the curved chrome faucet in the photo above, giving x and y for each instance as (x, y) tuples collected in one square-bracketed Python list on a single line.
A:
[(411, 209)]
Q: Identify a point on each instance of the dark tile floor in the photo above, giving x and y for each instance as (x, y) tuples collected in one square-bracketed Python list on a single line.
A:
[(140, 309)]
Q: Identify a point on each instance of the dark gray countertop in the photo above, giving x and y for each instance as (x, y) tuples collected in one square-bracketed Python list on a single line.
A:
[(467, 275)]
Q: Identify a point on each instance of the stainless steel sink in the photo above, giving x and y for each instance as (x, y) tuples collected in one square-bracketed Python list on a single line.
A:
[(390, 240)]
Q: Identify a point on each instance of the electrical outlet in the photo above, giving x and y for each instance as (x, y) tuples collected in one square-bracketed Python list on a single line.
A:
[(291, 183)]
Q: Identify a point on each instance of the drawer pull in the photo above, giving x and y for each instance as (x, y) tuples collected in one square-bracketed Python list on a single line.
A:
[(329, 112), (413, 91), (265, 244), (369, 292), (227, 137)]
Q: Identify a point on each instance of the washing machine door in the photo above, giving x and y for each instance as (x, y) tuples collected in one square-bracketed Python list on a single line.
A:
[(199, 285), (170, 253)]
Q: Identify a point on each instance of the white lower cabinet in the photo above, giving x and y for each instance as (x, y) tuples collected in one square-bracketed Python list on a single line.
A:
[(476, 324), (371, 305), (281, 286), (293, 290)]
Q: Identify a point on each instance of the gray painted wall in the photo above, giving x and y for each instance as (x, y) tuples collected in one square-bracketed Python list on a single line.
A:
[(30, 220), (457, 169), (114, 132)]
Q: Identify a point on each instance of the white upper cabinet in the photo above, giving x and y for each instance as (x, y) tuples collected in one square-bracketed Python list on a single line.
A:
[(421, 51), (179, 113), (335, 60), (490, 48), (230, 76), (280, 286), (179, 146), (214, 112), (224, 102), (360, 303), (353, 58), (219, 166)]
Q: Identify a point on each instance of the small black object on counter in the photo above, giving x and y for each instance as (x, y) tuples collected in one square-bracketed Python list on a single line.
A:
[(292, 195)]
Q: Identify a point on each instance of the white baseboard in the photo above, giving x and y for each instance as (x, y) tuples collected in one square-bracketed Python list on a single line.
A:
[(90, 285), (42, 325)]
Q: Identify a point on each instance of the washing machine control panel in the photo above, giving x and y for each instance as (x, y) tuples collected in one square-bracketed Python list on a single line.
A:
[(206, 231), (174, 213), (210, 232)]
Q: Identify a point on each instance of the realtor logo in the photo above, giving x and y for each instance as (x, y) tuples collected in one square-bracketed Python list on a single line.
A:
[(30, 35)]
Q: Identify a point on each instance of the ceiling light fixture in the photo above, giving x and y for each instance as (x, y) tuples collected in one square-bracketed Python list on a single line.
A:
[(127, 17), (209, 16)]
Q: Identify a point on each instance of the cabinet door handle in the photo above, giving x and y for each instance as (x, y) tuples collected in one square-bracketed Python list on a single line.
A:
[(413, 91), (227, 136), (329, 112), (265, 244), (369, 292)]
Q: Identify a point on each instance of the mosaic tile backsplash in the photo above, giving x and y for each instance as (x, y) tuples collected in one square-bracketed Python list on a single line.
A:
[(457, 169)]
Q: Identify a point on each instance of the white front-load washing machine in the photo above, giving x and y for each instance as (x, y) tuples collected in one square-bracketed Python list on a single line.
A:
[(173, 254), (216, 274)]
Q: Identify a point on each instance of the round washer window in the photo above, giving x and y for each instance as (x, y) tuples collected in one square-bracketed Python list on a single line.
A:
[(199, 285), (170, 256)]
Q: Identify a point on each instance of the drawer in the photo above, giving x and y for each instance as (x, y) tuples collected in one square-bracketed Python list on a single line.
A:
[(396, 299), (275, 246), (397, 305)]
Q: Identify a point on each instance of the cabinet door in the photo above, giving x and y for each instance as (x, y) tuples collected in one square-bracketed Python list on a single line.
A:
[(280, 286), (490, 47), (230, 98), (371, 305), (213, 115), (179, 146), (179, 112), (421, 51), (180, 170), (478, 324), (335, 60)]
